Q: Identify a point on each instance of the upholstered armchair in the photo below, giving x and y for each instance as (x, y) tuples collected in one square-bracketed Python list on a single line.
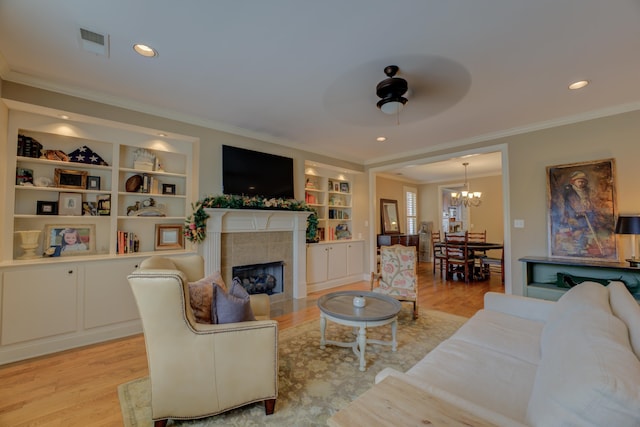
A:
[(397, 277), (198, 370)]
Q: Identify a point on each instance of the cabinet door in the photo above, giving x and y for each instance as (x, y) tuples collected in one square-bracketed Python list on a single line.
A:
[(39, 302), (317, 259), (337, 261), (355, 258), (107, 296)]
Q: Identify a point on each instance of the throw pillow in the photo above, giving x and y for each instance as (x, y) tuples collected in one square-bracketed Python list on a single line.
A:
[(202, 297), (233, 306)]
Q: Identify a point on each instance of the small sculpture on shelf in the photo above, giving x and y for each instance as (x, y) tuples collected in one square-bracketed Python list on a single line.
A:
[(146, 207)]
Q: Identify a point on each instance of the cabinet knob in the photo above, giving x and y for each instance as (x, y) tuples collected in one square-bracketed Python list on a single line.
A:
[(70, 272)]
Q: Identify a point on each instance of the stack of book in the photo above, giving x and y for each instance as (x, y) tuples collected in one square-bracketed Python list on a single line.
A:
[(127, 242), (150, 184), (28, 147)]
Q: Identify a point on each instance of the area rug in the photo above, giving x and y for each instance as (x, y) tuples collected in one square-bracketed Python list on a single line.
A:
[(314, 383)]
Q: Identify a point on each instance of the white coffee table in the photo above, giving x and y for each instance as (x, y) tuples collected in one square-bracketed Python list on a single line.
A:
[(379, 310)]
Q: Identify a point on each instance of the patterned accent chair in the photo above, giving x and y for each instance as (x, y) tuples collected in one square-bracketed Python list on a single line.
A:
[(397, 277), (198, 370)]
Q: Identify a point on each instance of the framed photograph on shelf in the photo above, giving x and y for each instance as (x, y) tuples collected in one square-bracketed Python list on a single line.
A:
[(67, 178), (71, 239), (104, 204), (70, 204), (581, 202), (169, 236), (169, 189), (24, 176), (93, 183), (344, 187), (47, 208)]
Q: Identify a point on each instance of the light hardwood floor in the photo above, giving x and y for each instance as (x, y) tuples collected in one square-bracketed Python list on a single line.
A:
[(78, 387)]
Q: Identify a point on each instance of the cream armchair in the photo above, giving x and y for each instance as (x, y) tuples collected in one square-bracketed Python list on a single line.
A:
[(198, 370)]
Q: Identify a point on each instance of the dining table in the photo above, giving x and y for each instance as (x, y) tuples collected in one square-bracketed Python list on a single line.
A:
[(477, 250)]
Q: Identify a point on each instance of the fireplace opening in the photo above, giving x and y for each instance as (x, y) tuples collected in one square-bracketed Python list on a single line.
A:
[(265, 278)]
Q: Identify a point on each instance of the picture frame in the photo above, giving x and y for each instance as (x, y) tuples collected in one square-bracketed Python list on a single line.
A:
[(169, 236), (104, 204), (336, 186), (582, 210), (389, 217), (89, 208), (93, 182), (344, 187), (69, 178), (70, 204), (45, 207), (24, 176), (169, 189), (80, 239)]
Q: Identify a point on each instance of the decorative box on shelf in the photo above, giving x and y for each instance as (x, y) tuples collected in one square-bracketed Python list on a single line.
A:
[(143, 166)]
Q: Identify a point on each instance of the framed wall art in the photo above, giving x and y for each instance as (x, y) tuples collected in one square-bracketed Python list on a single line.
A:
[(71, 239), (581, 201)]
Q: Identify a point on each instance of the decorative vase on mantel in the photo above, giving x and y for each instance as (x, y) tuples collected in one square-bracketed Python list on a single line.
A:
[(29, 243)]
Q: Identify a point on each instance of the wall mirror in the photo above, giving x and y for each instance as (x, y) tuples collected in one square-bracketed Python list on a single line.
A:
[(389, 217)]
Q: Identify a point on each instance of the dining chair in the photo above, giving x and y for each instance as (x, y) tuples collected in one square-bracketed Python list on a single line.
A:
[(494, 263), (477, 236), (397, 276), (438, 252), (459, 260)]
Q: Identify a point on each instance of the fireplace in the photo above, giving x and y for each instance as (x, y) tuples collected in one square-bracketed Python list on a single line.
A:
[(248, 236), (267, 278)]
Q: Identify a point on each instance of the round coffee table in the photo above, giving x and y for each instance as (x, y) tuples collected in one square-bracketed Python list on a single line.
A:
[(379, 310)]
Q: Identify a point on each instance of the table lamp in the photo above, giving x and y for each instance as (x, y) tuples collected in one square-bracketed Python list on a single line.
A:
[(630, 224)]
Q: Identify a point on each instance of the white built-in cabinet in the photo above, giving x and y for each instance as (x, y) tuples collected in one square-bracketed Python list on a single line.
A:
[(336, 263), (48, 304)]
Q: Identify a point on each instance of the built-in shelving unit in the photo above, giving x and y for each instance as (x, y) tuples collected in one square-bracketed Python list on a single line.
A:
[(329, 193), (105, 206)]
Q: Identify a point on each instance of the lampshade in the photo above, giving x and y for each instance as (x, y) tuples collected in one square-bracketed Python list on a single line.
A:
[(628, 224)]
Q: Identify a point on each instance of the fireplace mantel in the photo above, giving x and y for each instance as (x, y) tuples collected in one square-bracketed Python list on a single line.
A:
[(256, 221)]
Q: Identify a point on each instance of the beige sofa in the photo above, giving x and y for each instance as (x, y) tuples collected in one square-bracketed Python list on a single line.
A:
[(198, 370), (528, 362)]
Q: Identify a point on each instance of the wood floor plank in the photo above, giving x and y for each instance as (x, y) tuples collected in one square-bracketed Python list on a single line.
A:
[(79, 387)]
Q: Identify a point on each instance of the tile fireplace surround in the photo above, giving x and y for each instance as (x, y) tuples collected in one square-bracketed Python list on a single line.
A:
[(277, 224)]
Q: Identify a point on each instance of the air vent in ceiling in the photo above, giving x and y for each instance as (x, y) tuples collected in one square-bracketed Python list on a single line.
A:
[(94, 42)]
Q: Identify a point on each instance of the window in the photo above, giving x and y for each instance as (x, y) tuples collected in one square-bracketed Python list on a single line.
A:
[(411, 198)]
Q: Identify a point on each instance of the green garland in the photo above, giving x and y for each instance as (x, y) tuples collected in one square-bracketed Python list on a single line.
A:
[(195, 229)]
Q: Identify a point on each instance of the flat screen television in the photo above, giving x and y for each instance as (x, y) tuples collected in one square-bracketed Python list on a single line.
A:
[(252, 173)]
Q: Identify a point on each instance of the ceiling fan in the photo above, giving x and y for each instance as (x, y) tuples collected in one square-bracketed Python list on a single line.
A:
[(391, 91)]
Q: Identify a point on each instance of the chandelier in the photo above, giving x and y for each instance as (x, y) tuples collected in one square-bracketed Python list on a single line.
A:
[(466, 197)]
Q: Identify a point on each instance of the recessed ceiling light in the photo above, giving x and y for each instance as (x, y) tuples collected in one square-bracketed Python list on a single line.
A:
[(162, 134), (381, 139), (145, 50), (64, 116), (578, 85)]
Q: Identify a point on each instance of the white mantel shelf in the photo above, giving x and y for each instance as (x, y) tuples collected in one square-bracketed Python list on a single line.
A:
[(256, 221)]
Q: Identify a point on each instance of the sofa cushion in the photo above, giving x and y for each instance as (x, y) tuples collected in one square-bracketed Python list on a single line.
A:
[(588, 375), (480, 375), (585, 296), (233, 306), (202, 297), (625, 307), (514, 336)]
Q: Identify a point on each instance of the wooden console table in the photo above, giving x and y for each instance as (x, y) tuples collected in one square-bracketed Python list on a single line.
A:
[(540, 274), (393, 402)]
